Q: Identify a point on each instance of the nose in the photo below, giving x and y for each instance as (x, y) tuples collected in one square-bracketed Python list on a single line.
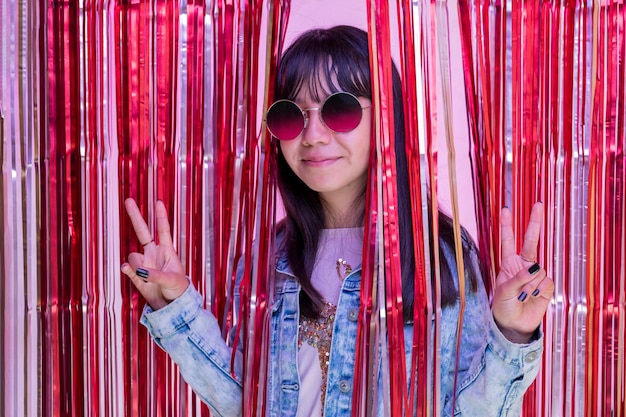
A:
[(315, 131)]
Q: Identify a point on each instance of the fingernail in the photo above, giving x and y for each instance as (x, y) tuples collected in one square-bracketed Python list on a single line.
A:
[(522, 296), (536, 292), (142, 273), (534, 268)]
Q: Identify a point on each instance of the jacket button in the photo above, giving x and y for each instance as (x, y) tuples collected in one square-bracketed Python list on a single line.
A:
[(344, 386), (531, 356), (353, 314)]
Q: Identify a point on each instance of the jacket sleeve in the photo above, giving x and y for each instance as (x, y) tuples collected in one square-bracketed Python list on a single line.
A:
[(493, 373), (192, 338)]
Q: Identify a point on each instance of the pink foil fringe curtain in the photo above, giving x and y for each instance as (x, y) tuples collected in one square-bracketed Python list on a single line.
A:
[(545, 97), (158, 99)]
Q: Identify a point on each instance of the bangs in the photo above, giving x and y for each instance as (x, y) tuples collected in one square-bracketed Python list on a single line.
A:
[(316, 62)]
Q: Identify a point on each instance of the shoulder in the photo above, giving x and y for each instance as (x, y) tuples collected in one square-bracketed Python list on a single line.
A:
[(446, 236), (472, 266), (280, 257)]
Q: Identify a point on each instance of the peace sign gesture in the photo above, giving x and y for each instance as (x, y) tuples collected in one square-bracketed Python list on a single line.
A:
[(523, 291), (157, 272)]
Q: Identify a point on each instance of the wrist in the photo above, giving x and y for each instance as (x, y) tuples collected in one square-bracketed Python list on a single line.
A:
[(157, 304), (516, 336)]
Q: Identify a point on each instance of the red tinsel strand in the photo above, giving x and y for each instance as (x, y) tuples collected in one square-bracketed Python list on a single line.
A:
[(477, 94), (491, 254), (132, 57), (193, 198), (362, 384), (561, 142), (92, 85), (421, 324), (61, 278), (165, 46), (594, 251), (247, 193), (429, 71), (614, 355), (393, 274), (527, 136), (362, 381), (491, 126), (380, 57), (609, 207), (256, 288), (226, 92), (194, 109), (260, 284), (444, 57), (619, 295), (251, 24), (597, 222), (363, 373)]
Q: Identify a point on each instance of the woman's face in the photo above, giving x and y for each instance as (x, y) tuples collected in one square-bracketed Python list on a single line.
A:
[(333, 164)]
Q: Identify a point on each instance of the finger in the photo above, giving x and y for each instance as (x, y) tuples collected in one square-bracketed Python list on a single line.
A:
[(130, 273), (141, 274), (163, 225), (507, 237), (545, 288), (155, 276), (521, 282), (531, 288), (533, 230), (136, 260), (139, 224)]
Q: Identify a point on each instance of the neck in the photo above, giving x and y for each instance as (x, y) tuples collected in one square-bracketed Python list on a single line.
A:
[(343, 212)]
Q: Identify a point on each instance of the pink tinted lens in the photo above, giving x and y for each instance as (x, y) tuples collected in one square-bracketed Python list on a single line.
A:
[(342, 112), (285, 120)]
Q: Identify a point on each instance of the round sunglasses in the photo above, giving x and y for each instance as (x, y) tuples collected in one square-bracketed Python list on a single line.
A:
[(341, 112)]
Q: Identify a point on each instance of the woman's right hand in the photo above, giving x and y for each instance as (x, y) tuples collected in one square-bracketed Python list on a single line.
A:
[(165, 278)]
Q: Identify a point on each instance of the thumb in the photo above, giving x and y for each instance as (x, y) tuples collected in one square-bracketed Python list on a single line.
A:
[(134, 275)]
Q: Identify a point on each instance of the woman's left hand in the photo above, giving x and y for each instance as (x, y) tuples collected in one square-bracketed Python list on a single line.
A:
[(523, 291)]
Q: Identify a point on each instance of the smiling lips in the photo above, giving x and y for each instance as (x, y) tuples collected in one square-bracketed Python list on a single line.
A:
[(319, 161)]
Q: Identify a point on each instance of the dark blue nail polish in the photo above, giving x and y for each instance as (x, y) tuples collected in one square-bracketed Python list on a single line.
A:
[(536, 292), (142, 273), (534, 268), (522, 296)]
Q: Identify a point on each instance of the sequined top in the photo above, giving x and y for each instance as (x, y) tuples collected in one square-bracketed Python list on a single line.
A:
[(318, 334)]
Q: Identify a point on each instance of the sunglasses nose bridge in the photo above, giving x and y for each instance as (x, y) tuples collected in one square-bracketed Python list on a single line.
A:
[(305, 114)]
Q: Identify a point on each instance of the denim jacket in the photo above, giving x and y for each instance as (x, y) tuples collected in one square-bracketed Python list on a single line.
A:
[(493, 373)]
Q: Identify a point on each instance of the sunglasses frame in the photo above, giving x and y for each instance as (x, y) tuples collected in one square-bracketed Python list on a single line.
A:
[(305, 114)]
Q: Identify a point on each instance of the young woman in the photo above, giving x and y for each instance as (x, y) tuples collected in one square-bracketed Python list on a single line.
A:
[(322, 120)]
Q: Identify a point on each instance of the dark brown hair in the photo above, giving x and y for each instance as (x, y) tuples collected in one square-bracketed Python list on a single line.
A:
[(340, 56)]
